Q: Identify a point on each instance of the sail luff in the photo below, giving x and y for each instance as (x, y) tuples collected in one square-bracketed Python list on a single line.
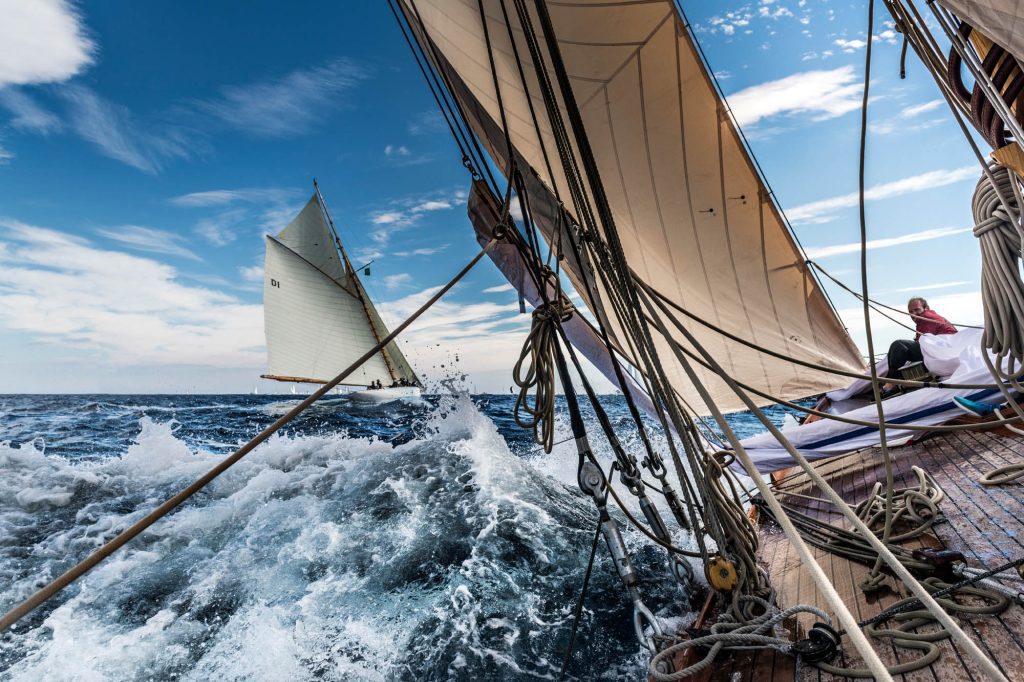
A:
[(372, 318)]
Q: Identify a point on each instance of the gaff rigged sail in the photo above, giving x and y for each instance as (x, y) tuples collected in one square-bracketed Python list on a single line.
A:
[(695, 221), (317, 317)]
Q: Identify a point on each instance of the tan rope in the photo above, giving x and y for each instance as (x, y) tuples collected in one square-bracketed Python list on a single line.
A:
[(125, 536), (959, 636)]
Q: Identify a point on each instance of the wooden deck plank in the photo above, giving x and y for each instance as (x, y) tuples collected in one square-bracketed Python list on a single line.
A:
[(986, 523)]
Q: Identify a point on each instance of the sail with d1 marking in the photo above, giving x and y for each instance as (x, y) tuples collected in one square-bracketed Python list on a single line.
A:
[(318, 317), (698, 226)]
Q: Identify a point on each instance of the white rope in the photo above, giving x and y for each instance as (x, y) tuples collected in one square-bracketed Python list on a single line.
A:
[(999, 233), (839, 607), (842, 612), (730, 634)]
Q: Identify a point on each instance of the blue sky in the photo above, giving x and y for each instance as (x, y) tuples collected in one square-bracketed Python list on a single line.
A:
[(145, 148)]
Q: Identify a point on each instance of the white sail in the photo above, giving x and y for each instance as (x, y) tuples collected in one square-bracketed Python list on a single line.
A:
[(1000, 20), (695, 220), (316, 316)]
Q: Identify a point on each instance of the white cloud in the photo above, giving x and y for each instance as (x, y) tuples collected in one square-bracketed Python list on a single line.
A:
[(728, 22), (404, 213), (116, 132), (917, 109), (426, 123), (395, 281), (290, 105), (390, 218), (148, 239), (65, 291), (778, 12), (219, 197), (820, 211), (5, 156), (425, 251), (849, 46), (392, 150), (431, 206), (28, 115), (925, 235), (824, 94), (43, 41), (928, 287), (219, 229), (500, 288), (887, 36), (266, 208), (253, 273), (901, 126)]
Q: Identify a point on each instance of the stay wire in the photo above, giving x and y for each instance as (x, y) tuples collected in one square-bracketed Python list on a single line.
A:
[(457, 133), (125, 536), (540, 66), (441, 74), (797, 361), (879, 304), (579, 603)]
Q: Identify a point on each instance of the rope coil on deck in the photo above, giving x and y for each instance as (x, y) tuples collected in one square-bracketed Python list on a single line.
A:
[(535, 369), (998, 229), (729, 634)]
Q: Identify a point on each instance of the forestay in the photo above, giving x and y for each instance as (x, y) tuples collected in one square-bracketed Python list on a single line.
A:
[(316, 316), (695, 221)]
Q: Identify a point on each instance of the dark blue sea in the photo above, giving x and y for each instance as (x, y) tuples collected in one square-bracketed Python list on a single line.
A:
[(410, 541)]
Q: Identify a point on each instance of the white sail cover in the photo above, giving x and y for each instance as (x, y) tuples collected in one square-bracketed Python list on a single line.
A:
[(1000, 20), (695, 221), (314, 317), (955, 358)]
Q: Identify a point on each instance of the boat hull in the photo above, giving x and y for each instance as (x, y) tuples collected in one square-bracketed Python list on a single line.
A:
[(385, 395)]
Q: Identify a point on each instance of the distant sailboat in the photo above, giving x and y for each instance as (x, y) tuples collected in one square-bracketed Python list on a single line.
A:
[(318, 318)]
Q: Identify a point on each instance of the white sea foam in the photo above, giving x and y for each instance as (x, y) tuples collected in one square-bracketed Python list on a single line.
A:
[(315, 557)]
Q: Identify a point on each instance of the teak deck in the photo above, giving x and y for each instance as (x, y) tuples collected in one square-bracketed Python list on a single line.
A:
[(985, 523)]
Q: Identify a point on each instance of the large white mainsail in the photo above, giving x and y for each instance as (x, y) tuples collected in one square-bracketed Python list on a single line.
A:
[(695, 220), (317, 316)]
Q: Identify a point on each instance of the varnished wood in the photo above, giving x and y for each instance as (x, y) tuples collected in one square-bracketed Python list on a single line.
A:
[(985, 523)]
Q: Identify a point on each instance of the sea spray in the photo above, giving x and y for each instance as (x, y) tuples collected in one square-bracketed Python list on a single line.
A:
[(402, 542)]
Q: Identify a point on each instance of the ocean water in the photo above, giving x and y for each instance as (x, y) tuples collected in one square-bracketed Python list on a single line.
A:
[(423, 540)]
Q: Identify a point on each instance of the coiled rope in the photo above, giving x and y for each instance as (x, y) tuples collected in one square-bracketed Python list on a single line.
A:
[(918, 506), (536, 370), (729, 633), (905, 637), (1001, 237)]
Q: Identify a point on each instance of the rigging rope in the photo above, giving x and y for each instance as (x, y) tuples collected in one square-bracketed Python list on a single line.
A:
[(125, 536), (579, 603), (730, 634), (538, 359), (829, 590), (1001, 237)]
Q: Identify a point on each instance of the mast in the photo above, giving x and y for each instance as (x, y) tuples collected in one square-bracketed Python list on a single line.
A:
[(355, 280)]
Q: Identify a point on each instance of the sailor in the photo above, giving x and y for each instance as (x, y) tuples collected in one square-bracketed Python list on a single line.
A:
[(903, 351)]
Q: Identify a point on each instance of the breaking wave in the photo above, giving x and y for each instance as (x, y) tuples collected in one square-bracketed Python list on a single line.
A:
[(428, 551)]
